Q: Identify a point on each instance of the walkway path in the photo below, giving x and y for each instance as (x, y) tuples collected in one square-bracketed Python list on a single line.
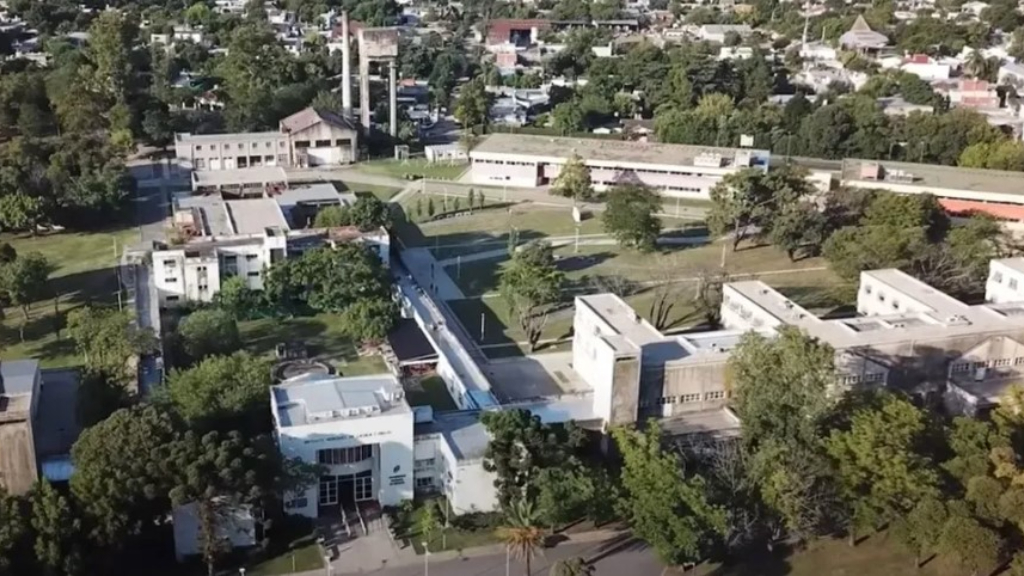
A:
[(559, 241)]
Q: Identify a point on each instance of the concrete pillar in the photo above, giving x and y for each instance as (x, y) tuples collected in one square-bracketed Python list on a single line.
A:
[(364, 90), (393, 96), (346, 67)]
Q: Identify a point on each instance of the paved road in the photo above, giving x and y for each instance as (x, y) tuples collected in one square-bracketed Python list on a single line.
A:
[(610, 558)]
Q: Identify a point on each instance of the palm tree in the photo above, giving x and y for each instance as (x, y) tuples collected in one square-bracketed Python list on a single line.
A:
[(572, 567), (522, 534)]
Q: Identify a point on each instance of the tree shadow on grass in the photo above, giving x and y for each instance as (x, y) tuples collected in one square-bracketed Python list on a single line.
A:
[(760, 563), (91, 287), (578, 262)]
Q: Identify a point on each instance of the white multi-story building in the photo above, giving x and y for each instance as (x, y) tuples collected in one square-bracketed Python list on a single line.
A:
[(674, 170)]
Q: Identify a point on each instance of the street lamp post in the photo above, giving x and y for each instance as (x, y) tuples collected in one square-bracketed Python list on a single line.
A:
[(426, 559), (330, 569), (506, 560)]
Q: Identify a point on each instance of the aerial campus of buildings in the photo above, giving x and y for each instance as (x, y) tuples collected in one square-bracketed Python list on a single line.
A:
[(237, 203)]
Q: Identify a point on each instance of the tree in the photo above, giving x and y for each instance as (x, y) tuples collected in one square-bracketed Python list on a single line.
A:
[(369, 213), (473, 105), (797, 226), (780, 386), (429, 523), (19, 211), (739, 201), (57, 529), (156, 123), (255, 67), (237, 299), (121, 473), (222, 393), (370, 320), (630, 217), (707, 297), (1001, 155), (564, 493), (23, 280), (521, 532), (573, 180), (972, 545), (575, 566), (111, 39), (13, 527), (99, 396), (568, 117), (471, 198), (221, 471), (530, 284), (667, 509), (210, 332), (109, 339), (521, 447), (881, 472), (921, 529), (332, 217)]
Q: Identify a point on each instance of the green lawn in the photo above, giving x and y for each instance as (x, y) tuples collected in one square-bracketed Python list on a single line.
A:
[(293, 548), (323, 335), (84, 272), (412, 169), (481, 533), (875, 556), (430, 391)]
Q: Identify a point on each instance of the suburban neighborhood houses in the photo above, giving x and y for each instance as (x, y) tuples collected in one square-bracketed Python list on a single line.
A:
[(578, 288)]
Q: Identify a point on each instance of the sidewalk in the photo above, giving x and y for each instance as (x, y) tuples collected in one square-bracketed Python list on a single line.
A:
[(408, 557)]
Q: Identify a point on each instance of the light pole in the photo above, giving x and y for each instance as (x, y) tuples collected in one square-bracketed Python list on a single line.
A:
[(241, 572), (330, 569), (426, 559), (506, 560)]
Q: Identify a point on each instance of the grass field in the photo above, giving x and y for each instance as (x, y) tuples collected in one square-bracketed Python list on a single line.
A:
[(416, 168), (83, 272), (452, 538), (876, 556), (321, 333)]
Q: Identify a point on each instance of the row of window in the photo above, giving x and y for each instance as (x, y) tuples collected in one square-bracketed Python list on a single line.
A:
[(336, 456), (684, 399), (241, 146), (873, 378), (961, 367), (425, 463)]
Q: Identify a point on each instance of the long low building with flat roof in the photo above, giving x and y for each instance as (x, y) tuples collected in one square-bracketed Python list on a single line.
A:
[(960, 190), (675, 170)]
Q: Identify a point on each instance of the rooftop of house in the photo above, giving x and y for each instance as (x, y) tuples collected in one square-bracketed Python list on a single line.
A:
[(932, 176), (602, 150), (257, 175), (316, 398)]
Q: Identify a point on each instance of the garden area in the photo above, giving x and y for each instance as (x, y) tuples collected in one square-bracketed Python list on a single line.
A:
[(322, 334), (414, 169), (423, 521), (82, 271)]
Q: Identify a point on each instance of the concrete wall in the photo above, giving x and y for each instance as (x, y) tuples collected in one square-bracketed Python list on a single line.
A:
[(474, 488), (681, 387), (625, 390), (593, 358), (341, 148)]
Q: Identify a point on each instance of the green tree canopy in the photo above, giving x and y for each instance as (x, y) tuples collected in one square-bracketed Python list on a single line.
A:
[(573, 180), (629, 217), (108, 339), (223, 393), (209, 332), (530, 284)]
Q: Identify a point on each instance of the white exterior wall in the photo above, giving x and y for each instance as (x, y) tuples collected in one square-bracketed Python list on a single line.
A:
[(468, 487), (940, 192), (875, 298), (593, 358), (1004, 284), (740, 313), (392, 460)]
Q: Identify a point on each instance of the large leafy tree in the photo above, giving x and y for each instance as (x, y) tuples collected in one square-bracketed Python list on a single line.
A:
[(973, 545), (13, 527), (921, 529), (208, 333), (665, 507), (121, 475), (58, 531), (473, 104), (573, 180), (630, 217), (256, 66), (24, 282), (521, 447), (108, 339), (223, 393), (530, 285), (881, 468)]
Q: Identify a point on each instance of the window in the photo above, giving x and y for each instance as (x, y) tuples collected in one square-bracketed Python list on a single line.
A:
[(336, 456), (171, 280), (426, 463), (268, 145), (254, 274), (997, 277), (200, 164), (251, 257), (689, 398), (1018, 361), (1001, 362), (364, 488), (875, 377), (716, 395), (170, 263), (199, 147), (895, 304), (427, 482), (1013, 283), (881, 297), (297, 503), (666, 400), (172, 298), (867, 288), (323, 143), (960, 367)]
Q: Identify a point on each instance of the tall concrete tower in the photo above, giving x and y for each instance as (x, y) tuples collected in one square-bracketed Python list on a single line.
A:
[(346, 67)]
